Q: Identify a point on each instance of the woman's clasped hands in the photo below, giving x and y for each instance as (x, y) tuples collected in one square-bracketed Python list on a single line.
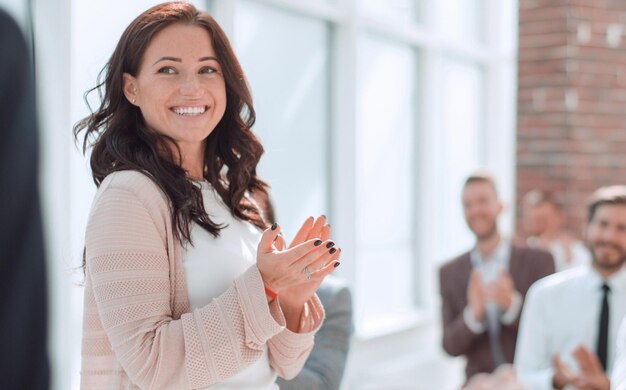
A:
[(294, 273)]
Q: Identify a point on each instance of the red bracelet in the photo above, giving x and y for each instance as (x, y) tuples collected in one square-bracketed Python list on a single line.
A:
[(270, 293)]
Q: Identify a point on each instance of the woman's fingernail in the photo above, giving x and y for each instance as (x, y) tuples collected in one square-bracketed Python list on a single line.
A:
[(332, 250), (337, 264), (330, 245), (274, 226), (317, 243)]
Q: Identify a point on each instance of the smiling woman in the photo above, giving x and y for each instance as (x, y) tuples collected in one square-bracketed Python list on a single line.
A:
[(182, 284)]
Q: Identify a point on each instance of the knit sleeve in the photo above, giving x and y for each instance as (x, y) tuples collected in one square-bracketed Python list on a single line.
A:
[(128, 266), (289, 350)]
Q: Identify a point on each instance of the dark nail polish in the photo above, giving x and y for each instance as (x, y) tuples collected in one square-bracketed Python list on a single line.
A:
[(330, 245), (274, 226), (332, 250), (337, 264), (317, 243)]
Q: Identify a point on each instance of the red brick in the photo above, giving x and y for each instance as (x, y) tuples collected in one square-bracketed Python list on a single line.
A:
[(571, 150)]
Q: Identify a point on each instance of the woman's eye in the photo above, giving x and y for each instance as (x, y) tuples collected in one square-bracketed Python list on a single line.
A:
[(166, 70), (208, 69)]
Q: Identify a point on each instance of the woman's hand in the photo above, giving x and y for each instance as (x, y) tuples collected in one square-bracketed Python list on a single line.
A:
[(286, 268), (296, 273), (311, 228)]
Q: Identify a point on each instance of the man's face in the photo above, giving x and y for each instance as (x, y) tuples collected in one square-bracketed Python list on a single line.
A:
[(606, 237), (481, 208)]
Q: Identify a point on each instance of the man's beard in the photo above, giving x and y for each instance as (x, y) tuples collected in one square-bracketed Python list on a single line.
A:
[(493, 229), (605, 263)]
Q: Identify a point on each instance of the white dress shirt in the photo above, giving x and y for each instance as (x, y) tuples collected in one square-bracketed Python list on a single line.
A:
[(561, 312), (212, 264), (618, 377)]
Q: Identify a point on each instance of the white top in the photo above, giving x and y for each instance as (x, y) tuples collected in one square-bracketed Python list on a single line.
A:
[(489, 269), (618, 378), (579, 255), (211, 265), (561, 312), (565, 258)]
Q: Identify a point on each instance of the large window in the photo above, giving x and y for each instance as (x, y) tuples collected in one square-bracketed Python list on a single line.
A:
[(385, 107), (391, 98)]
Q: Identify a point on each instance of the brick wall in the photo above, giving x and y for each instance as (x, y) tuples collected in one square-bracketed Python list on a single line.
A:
[(571, 136)]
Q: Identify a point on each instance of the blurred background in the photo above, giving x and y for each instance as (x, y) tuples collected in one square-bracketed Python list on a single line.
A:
[(372, 112)]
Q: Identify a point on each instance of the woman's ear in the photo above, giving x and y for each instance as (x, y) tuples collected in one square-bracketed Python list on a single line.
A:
[(130, 88)]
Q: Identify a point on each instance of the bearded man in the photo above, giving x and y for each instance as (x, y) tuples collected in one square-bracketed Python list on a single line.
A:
[(482, 291), (569, 326)]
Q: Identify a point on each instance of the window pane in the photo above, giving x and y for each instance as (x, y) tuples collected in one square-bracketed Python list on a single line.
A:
[(385, 119), (462, 20), (289, 81), (391, 10), (462, 151)]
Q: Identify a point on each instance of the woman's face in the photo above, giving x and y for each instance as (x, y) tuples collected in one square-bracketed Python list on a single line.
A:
[(179, 87)]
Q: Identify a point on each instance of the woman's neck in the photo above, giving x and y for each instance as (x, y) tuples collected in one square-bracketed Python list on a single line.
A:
[(192, 161)]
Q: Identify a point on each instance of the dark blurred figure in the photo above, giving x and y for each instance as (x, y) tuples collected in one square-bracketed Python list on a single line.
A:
[(23, 301)]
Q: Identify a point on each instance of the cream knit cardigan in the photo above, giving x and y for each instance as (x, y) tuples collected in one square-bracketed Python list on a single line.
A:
[(138, 331)]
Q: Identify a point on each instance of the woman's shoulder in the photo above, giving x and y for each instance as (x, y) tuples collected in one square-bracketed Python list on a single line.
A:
[(132, 196), (137, 183), (130, 180)]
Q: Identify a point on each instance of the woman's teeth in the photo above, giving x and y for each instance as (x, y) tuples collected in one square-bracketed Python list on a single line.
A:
[(189, 110)]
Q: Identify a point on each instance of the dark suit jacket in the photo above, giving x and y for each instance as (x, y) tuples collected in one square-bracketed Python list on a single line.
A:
[(23, 326), (526, 266)]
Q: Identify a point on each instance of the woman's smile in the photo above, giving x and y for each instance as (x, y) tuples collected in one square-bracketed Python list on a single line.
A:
[(189, 110)]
